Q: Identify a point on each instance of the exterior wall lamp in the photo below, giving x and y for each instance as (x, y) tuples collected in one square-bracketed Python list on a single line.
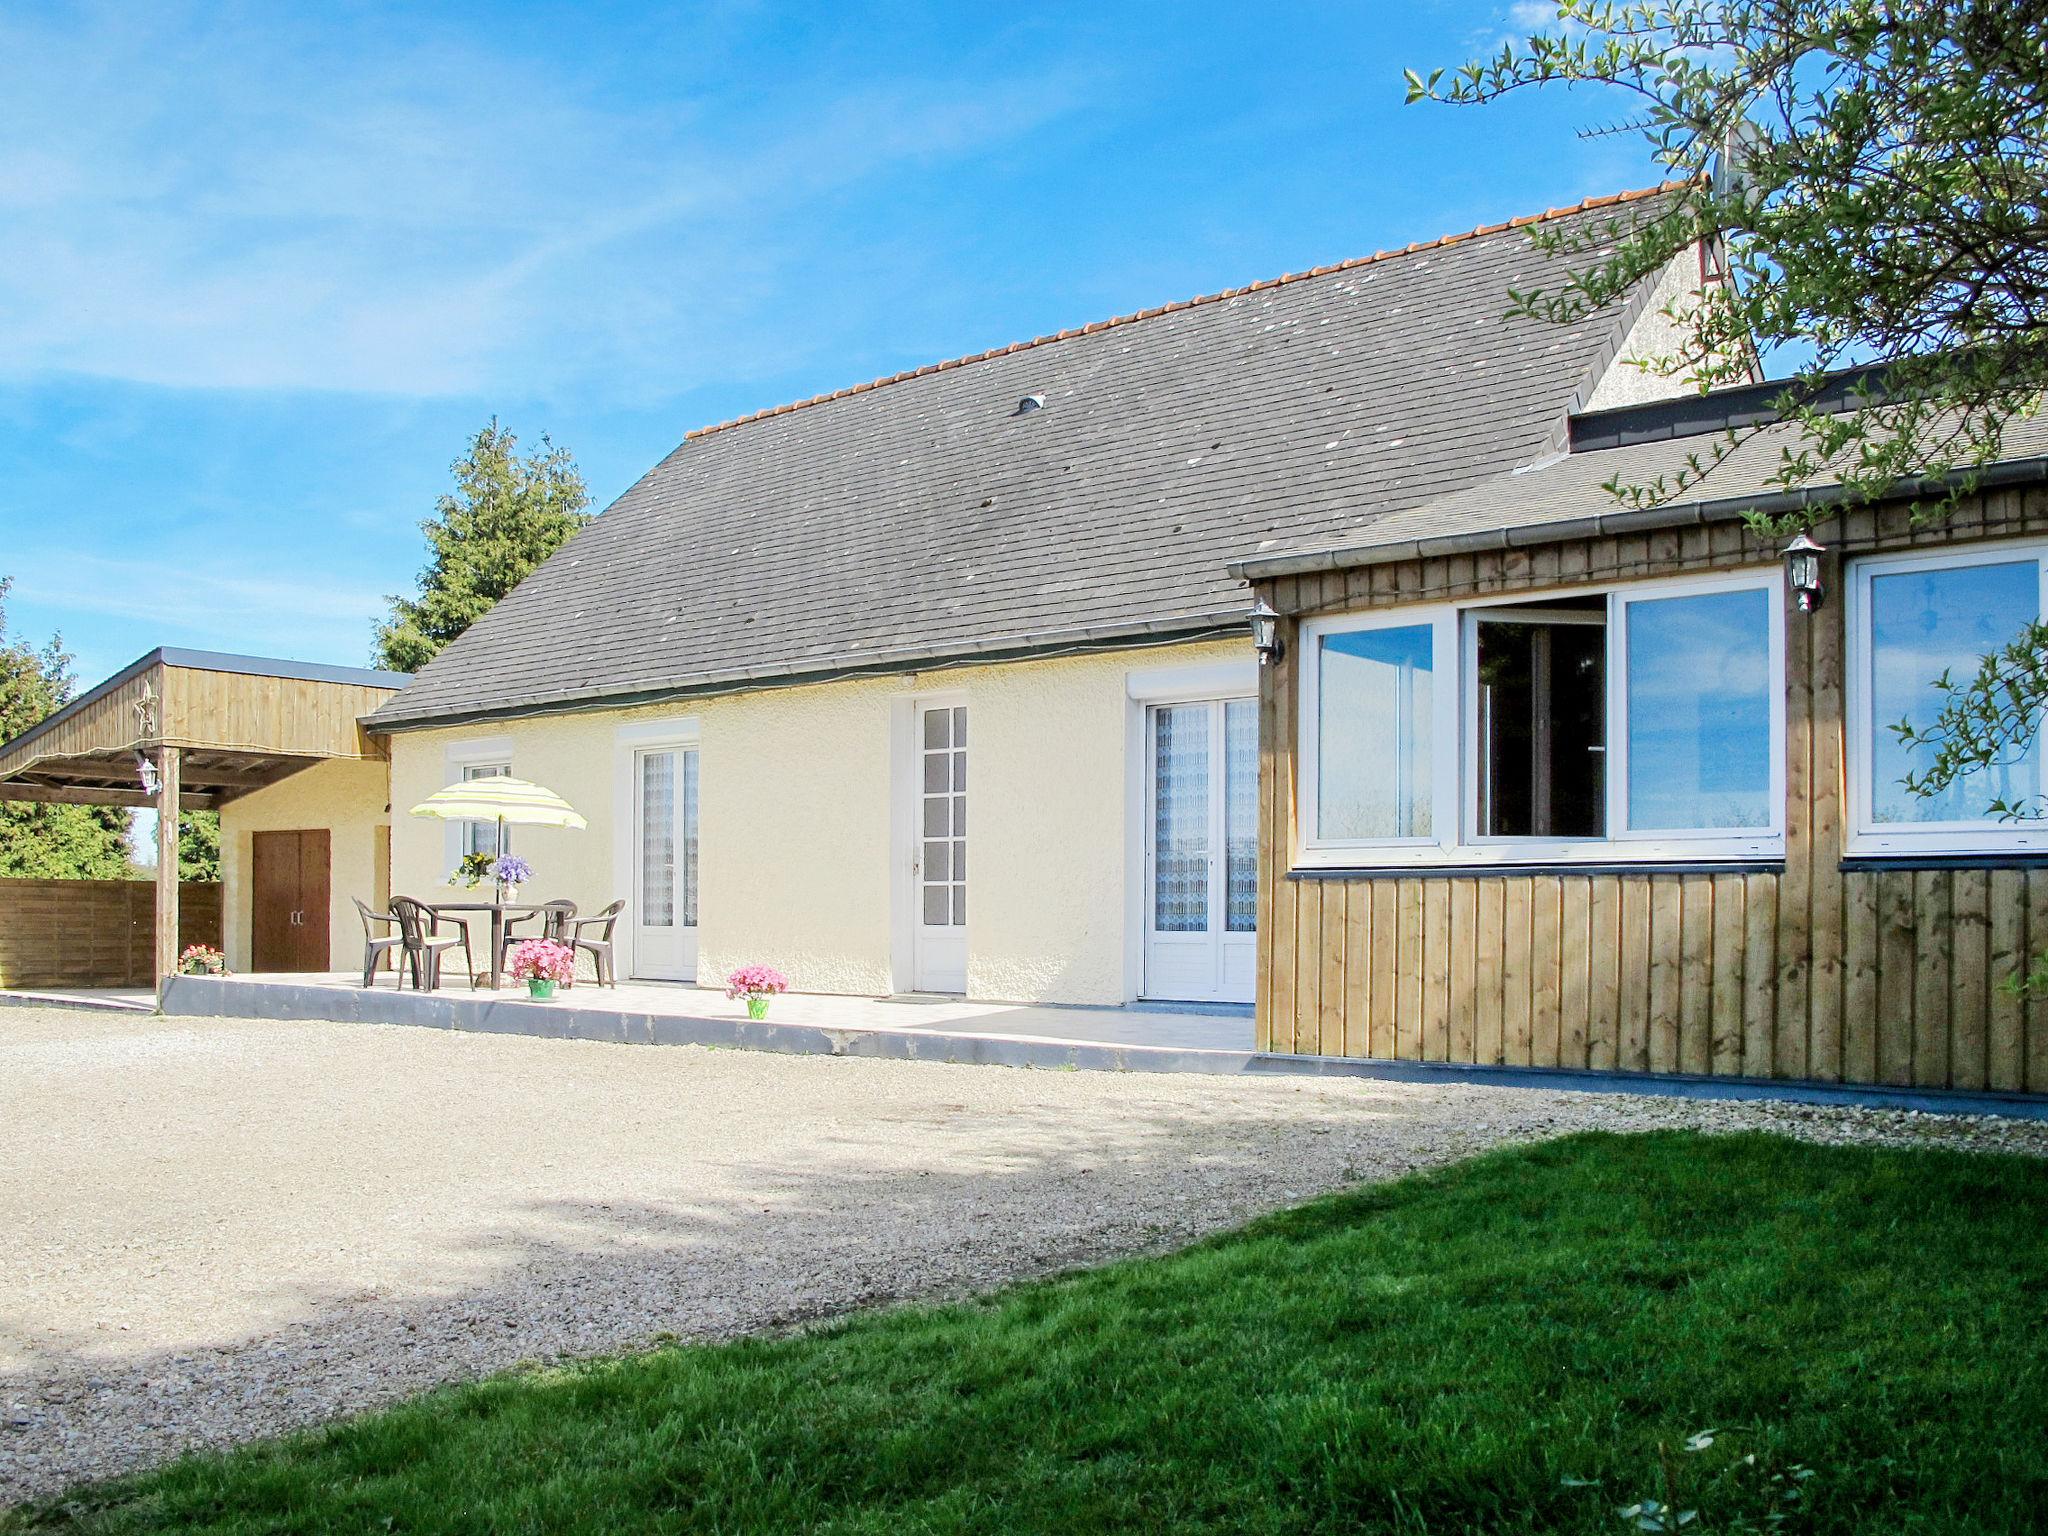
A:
[(1802, 569), (1265, 624)]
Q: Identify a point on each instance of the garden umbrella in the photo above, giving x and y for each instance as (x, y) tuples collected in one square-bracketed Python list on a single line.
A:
[(507, 801)]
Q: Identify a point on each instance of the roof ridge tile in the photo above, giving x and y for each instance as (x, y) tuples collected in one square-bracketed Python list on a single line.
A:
[(1096, 327)]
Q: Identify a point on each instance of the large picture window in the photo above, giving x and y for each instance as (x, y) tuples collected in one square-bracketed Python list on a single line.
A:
[(1641, 722), (1914, 619)]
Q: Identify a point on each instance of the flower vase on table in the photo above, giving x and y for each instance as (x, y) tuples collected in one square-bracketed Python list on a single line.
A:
[(510, 873)]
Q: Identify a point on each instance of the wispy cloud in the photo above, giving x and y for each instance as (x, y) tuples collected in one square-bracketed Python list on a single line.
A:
[(278, 612), (215, 199)]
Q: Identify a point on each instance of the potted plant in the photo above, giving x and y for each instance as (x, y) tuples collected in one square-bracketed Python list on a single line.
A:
[(472, 871), (756, 983), (202, 960), (541, 963), (510, 873)]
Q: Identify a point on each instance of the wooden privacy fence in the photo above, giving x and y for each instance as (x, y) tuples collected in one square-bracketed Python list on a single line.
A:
[(93, 933)]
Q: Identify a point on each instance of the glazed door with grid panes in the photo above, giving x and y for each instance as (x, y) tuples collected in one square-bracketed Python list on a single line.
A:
[(665, 864), (1201, 856), (939, 866)]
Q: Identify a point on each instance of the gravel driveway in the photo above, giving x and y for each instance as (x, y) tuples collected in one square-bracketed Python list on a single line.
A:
[(213, 1230)]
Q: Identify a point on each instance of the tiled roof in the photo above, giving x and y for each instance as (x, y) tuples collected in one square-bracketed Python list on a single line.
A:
[(924, 519), (1560, 498)]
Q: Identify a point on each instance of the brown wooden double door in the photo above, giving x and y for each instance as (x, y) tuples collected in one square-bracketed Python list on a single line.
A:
[(288, 901)]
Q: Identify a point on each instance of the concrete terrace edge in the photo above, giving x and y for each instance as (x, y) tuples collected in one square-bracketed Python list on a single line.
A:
[(25, 997), (212, 997)]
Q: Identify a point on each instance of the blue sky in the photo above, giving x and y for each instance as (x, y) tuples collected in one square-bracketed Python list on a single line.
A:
[(263, 269)]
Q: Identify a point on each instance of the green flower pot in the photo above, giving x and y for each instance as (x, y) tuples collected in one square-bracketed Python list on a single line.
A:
[(539, 989), (757, 1005)]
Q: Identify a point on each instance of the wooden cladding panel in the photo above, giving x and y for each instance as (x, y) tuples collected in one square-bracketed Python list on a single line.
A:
[(233, 713), (94, 933), (1673, 973), (1816, 971)]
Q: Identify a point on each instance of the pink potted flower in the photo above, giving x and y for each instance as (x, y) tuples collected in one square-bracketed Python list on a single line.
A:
[(541, 963), (202, 960), (756, 983)]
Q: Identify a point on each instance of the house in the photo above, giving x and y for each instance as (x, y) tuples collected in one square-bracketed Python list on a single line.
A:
[(1551, 782), (940, 683)]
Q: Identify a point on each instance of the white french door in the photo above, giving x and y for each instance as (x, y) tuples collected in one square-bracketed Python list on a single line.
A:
[(938, 937), (665, 863), (1202, 848)]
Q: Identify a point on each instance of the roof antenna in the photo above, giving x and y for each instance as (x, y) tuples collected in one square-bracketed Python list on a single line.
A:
[(1029, 404)]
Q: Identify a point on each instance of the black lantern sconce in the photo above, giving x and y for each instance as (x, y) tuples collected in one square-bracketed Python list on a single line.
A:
[(1265, 624), (1802, 569)]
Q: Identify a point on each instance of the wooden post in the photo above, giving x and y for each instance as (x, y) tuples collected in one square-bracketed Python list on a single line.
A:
[(166, 862)]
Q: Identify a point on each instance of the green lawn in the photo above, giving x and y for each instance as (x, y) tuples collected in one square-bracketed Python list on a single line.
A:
[(1504, 1346)]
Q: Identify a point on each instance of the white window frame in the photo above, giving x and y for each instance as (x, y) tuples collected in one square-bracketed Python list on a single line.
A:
[(460, 756), (667, 733), (1454, 746), (1927, 839)]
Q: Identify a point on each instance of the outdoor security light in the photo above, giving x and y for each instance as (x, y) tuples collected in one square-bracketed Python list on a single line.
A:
[(1265, 624), (1802, 569)]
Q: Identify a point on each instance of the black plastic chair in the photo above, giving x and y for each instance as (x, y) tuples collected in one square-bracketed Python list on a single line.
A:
[(600, 949), (419, 929), (376, 946)]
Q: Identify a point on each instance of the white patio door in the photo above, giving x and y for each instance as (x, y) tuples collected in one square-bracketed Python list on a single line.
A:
[(939, 864), (665, 863), (1202, 807)]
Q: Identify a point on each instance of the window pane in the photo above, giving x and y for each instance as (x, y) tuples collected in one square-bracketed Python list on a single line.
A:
[(936, 906), (657, 839), (959, 906), (1699, 712), (935, 816), (689, 839), (1373, 733), (938, 861), (1922, 624), (935, 722), (1542, 722), (482, 836), (1180, 819), (935, 772), (1241, 814)]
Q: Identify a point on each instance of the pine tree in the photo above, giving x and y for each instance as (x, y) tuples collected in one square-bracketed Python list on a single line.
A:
[(505, 516), (60, 842)]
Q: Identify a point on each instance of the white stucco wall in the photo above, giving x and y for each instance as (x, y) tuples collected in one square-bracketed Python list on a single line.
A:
[(1655, 333), (348, 798), (803, 863)]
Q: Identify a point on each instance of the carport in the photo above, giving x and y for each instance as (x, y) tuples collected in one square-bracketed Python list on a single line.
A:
[(191, 730)]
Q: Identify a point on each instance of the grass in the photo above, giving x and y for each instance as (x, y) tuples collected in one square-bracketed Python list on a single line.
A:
[(1500, 1347)]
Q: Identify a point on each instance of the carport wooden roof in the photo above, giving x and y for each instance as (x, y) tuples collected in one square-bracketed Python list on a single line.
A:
[(236, 724)]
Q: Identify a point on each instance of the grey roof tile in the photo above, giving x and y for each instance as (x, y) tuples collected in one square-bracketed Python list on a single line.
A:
[(921, 519), (1554, 497)]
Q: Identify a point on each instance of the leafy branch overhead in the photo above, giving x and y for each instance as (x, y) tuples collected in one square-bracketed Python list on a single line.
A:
[(1874, 177), (506, 515)]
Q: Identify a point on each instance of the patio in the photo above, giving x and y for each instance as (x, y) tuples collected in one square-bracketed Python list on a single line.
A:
[(1135, 1038)]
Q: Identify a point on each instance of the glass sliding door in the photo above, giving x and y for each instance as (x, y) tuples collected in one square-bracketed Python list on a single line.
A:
[(665, 864), (1202, 802), (939, 864)]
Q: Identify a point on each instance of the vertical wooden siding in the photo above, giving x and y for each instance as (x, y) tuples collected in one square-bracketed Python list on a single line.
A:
[(93, 933), (1820, 971)]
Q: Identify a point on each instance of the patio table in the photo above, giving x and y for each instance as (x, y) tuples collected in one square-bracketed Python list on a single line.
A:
[(501, 912)]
